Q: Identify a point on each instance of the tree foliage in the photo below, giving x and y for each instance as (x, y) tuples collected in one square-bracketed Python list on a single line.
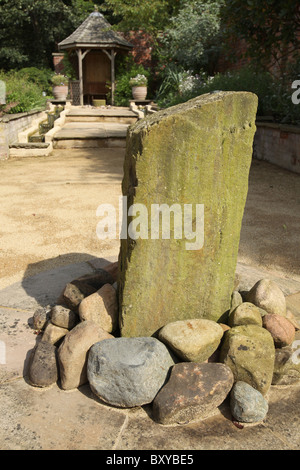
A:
[(193, 38), (148, 15), (270, 28), (30, 30)]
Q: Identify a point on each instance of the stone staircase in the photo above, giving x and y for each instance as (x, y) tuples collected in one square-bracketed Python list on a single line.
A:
[(87, 127)]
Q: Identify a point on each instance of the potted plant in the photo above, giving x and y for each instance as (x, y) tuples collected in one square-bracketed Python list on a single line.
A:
[(60, 86), (139, 87)]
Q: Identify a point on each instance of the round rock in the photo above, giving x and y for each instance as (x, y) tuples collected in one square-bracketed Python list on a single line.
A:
[(192, 340), (128, 372), (281, 329), (245, 314), (247, 404), (267, 295)]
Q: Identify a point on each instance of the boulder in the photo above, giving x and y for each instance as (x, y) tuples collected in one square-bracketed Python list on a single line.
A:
[(43, 370), (287, 364), (267, 295), (187, 156), (193, 392), (280, 328), (192, 340), (63, 317), (40, 319), (128, 372), (52, 333), (71, 297), (250, 353), (101, 308), (245, 314), (72, 353), (94, 280), (247, 404), (236, 300)]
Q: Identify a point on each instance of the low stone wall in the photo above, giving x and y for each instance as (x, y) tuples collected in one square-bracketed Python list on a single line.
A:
[(278, 144), (11, 125)]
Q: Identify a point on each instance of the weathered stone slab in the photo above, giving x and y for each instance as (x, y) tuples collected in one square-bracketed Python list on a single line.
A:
[(195, 153)]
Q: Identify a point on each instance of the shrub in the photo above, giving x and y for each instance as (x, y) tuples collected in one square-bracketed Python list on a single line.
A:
[(274, 95), (139, 80), (59, 79), (126, 71), (22, 95), (42, 77)]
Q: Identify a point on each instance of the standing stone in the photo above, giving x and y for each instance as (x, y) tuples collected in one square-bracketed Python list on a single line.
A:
[(194, 391), (128, 372), (198, 152)]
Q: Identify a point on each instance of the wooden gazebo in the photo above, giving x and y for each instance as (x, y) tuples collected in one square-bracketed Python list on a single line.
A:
[(96, 45)]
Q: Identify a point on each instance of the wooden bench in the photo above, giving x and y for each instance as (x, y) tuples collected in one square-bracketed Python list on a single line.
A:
[(95, 90)]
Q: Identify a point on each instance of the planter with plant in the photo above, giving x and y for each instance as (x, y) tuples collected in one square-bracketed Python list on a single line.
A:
[(139, 87), (60, 86)]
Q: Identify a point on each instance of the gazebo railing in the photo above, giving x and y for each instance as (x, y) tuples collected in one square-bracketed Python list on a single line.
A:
[(75, 92)]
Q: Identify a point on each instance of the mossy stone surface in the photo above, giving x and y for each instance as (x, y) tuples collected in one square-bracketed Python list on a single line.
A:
[(198, 152), (249, 351)]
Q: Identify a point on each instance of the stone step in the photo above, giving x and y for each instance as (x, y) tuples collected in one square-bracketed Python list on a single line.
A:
[(30, 149), (91, 135), (103, 115)]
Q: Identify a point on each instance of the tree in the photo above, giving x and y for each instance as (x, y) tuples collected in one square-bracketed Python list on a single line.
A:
[(30, 30), (193, 38), (150, 16), (270, 29)]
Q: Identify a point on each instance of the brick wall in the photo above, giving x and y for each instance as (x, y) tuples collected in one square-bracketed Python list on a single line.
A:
[(58, 62), (278, 144)]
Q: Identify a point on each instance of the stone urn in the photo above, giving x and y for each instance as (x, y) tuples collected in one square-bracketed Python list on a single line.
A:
[(139, 93), (60, 92)]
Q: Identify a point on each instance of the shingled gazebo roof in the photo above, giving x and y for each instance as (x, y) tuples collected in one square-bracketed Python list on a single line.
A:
[(94, 32)]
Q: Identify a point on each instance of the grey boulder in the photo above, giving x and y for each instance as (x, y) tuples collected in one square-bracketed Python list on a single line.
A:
[(128, 372)]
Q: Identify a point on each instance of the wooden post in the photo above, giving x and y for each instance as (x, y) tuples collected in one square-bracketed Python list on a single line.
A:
[(78, 51), (113, 79), (81, 56), (112, 56)]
